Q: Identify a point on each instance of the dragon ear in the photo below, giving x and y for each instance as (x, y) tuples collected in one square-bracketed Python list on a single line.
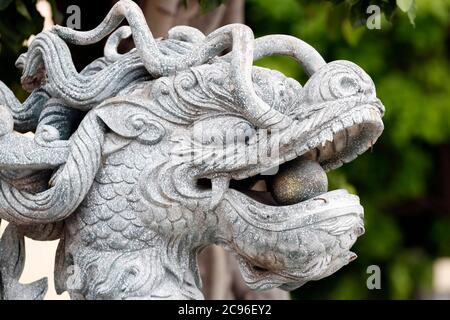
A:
[(131, 119)]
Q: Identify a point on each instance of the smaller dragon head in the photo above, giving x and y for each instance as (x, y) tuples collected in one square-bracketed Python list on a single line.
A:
[(32, 63), (33, 71)]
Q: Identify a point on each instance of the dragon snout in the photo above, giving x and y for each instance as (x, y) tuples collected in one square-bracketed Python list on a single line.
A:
[(322, 251)]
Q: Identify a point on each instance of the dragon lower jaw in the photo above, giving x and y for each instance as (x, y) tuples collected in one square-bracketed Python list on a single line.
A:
[(305, 241)]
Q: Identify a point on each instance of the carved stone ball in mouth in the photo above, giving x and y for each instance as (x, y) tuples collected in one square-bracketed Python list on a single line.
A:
[(298, 180)]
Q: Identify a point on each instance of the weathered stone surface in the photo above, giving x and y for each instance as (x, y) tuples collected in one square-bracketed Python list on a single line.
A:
[(131, 165)]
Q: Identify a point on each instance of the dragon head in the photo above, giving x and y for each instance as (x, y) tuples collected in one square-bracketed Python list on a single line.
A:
[(257, 184), (32, 66), (285, 230)]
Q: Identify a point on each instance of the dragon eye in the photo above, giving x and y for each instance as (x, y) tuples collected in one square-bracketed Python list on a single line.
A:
[(348, 86), (341, 85)]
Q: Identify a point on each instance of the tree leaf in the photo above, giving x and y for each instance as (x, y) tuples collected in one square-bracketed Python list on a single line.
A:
[(358, 14), (351, 2), (22, 9), (389, 9), (338, 1), (412, 13), (350, 34), (405, 5), (408, 7)]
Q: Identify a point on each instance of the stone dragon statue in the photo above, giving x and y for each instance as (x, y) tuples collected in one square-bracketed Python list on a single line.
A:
[(130, 165)]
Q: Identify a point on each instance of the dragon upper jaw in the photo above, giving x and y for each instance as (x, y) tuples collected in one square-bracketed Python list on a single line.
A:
[(327, 224), (343, 140), (336, 141), (332, 144)]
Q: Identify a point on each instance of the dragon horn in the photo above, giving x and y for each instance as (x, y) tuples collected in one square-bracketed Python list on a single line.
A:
[(252, 106), (302, 52), (290, 46)]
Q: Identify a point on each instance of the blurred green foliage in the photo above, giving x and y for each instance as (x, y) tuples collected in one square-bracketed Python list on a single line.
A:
[(408, 61), (18, 20), (357, 9)]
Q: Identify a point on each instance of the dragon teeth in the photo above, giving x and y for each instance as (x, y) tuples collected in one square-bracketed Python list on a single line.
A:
[(337, 136), (313, 143), (336, 127), (291, 155), (357, 117), (347, 122), (366, 114), (326, 136), (340, 141), (312, 154)]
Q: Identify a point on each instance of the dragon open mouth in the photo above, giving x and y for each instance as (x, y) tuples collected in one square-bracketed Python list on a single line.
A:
[(294, 206), (340, 142)]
